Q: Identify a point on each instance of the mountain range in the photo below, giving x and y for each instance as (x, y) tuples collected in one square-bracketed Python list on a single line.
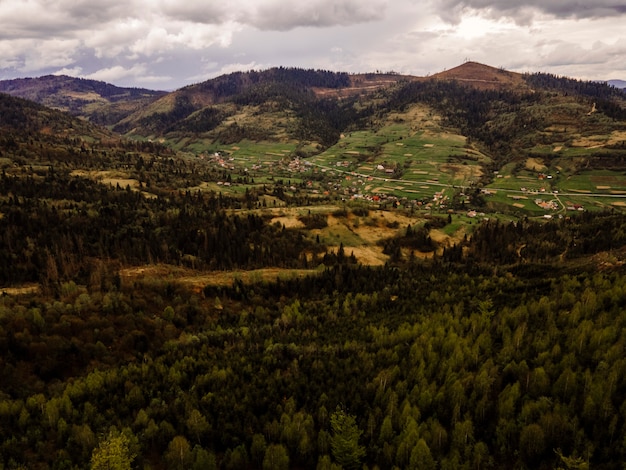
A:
[(272, 104), (100, 102), (617, 83), (507, 116)]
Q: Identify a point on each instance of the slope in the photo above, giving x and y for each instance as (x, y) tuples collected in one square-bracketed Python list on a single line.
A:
[(280, 104), (22, 117), (97, 101), (484, 77)]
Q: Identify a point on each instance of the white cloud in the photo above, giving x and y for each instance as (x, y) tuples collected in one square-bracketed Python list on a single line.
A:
[(117, 72), (72, 72), (29, 55), (138, 75), (114, 39)]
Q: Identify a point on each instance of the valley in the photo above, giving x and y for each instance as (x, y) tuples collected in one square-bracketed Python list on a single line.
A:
[(307, 269)]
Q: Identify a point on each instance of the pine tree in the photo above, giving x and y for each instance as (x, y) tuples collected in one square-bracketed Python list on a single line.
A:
[(344, 442)]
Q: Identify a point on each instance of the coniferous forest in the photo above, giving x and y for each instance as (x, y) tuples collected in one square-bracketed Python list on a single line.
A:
[(487, 356)]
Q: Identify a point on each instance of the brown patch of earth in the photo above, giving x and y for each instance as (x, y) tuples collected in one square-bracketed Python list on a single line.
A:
[(21, 290), (535, 164), (597, 141), (443, 238), (367, 255), (197, 280), (378, 226), (288, 222), (107, 177), (462, 171)]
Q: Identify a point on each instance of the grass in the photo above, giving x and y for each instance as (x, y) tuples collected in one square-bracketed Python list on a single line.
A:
[(198, 280), (404, 158)]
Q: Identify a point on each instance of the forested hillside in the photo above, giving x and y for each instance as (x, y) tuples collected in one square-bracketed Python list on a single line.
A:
[(439, 368), (100, 102)]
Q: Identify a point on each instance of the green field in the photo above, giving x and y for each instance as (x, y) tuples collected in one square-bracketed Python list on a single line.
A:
[(411, 158), (397, 159)]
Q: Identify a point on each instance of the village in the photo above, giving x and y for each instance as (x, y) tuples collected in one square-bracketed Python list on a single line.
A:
[(340, 181)]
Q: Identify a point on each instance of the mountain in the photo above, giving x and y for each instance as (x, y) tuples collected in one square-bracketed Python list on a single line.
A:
[(22, 117), (484, 77), (275, 104), (508, 115), (97, 101), (617, 83), (309, 107), (34, 138), (314, 108)]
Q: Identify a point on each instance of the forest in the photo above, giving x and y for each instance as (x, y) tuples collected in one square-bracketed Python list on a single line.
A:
[(505, 351), (421, 366)]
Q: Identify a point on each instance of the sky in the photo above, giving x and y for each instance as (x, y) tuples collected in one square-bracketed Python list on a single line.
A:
[(167, 44)]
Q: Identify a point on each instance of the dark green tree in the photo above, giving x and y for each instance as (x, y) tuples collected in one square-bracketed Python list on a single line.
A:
[(344, 441)]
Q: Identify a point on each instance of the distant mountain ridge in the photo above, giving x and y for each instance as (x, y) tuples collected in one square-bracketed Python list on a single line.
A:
[(100, 102), (502, 121), (311, 108), (617, 83), (21, 116)]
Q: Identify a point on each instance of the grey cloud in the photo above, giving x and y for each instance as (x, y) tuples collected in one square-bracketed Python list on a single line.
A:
[(200, 12), (21, 24), (87, 11), (522, 12), (43, 19), (274, 15)]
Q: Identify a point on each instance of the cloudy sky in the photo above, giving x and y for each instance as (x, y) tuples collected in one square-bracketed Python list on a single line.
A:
[(166, 44)]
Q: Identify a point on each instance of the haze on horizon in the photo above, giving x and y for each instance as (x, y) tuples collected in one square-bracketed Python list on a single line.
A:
[(166, 44)]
